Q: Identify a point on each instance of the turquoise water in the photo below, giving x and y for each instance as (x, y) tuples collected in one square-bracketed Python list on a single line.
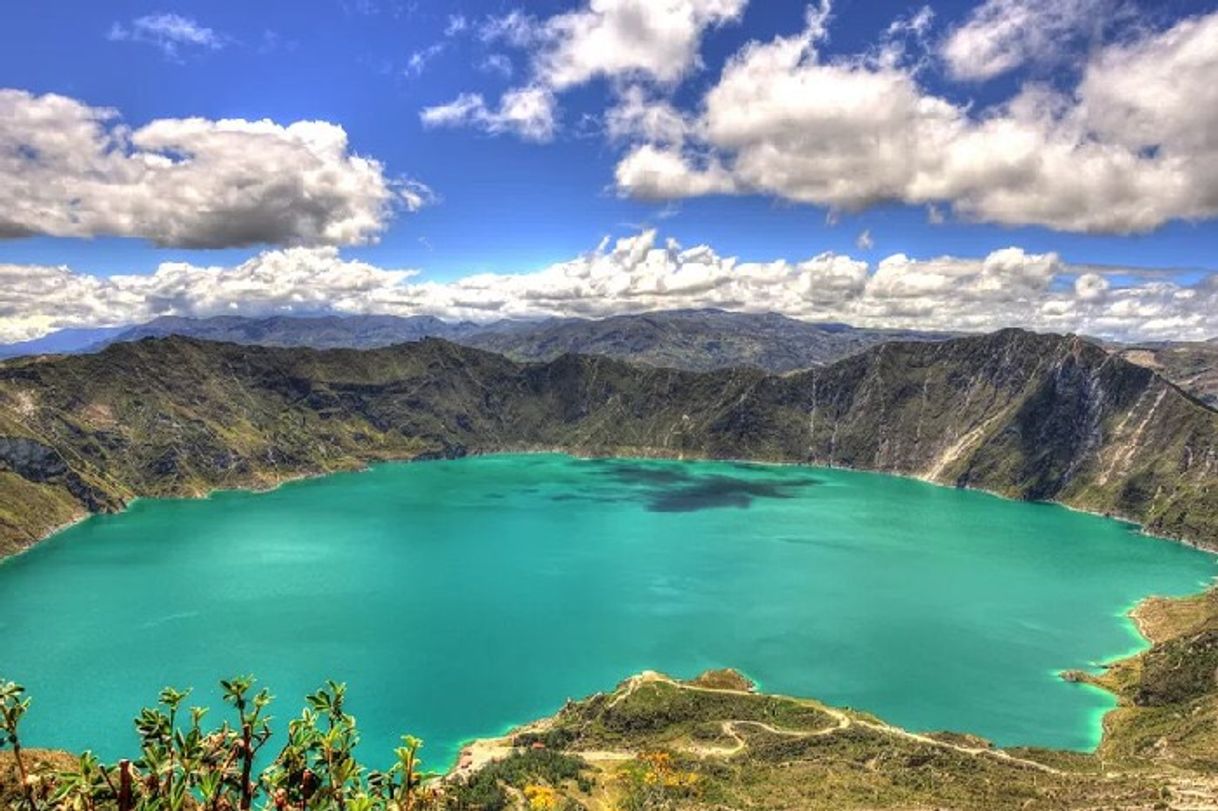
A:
[(458, 598)]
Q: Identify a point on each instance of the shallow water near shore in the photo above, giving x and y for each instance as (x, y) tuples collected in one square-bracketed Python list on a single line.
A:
[(458, 598)]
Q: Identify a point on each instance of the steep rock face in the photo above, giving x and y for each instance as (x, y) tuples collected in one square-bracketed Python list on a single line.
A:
[(31, 460), (1029, 416), (42, 464)]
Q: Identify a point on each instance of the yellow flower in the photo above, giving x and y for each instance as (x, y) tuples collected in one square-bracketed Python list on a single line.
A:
[(541, 798)]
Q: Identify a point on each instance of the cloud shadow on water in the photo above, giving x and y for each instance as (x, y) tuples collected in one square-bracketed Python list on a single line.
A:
[(673, 489)]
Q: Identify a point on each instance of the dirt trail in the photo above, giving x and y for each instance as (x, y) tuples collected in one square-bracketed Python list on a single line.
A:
[(1187, 793), (843, 721)]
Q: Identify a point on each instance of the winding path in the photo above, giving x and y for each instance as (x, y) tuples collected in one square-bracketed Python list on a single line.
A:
[(842, 721)]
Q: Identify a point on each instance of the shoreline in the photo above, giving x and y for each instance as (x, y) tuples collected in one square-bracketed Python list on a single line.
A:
[(629, 452)]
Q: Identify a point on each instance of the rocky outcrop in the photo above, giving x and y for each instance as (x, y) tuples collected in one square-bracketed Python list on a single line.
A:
[(41, 464), (31, 460)]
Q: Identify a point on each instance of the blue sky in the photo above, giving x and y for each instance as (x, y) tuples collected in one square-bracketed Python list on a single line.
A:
[(503, 203)]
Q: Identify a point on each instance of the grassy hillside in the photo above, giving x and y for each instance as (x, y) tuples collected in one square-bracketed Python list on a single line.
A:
[(1029, 416)]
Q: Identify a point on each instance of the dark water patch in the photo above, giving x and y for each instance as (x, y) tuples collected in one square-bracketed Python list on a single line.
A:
[(711, 492), (644, 474), (675, 488)]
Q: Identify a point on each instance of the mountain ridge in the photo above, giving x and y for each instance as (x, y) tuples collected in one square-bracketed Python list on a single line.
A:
[(697, 339), (1038, 417)]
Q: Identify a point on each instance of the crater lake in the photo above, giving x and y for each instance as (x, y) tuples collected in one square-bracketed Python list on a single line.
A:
[(459, 598)]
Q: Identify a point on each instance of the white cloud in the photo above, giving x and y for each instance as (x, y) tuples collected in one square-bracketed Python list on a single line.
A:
[(1091, 286), (643, 40), (457, 23), (514, 28), (168, 32), (418, 60), (638, 116), (664, 173), (35, 298), (1134, 146), (526, 111), (864, 241), (68, 169), (1008, 287), (655, 39), (497, 63), (415, 195), (1001, 35)]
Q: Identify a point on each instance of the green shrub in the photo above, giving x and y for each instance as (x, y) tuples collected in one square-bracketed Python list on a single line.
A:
[(183, 766)]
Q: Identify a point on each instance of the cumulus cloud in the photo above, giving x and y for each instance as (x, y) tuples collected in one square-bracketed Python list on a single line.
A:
[(1091, 286), (36, 298), (639, 116), (1132, 147), (643, 40), (1008, 287), (656, 39), (171, 33), (69, 169), (1001, 35), (525, 111)]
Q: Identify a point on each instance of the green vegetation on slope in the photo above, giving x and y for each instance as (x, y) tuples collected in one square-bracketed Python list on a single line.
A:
[(1029, 416)]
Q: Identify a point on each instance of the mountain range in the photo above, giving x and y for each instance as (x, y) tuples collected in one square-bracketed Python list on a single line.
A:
[(1031, 416), (698, 340), (62, 341)]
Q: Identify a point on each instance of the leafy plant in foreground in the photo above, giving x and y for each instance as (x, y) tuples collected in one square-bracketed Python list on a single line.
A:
[(182, 766), (12, 707)]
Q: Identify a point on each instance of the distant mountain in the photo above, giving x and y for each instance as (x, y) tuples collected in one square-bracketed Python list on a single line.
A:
[(1042, 417), (317, 332), (694, 340), (697, 340), (60, 342), (1191, 366)]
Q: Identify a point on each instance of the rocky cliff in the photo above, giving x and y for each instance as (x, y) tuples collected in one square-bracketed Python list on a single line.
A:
[(1029, 416)]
